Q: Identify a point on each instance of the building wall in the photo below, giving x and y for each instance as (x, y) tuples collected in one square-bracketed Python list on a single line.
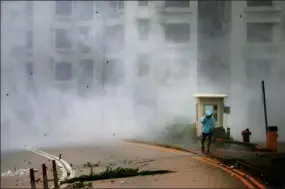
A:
[(13, 42), (245, 87), (162, 57)]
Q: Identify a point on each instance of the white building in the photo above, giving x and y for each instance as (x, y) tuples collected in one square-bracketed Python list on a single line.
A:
[(150, 44), (257, 33), (241, 43), (68, 43)]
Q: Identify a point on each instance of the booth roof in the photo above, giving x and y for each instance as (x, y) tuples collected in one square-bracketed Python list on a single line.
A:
[(210, 95)]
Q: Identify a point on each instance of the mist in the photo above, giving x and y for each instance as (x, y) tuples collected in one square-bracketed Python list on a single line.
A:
[(119, 101), (41, 114)]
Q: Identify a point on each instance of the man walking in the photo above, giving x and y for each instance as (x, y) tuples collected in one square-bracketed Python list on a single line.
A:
[(208, 122)]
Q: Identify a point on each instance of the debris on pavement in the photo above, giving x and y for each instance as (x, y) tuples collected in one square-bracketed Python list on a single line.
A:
[(80, 184), (123, 182), (118, 172), (145, 161)]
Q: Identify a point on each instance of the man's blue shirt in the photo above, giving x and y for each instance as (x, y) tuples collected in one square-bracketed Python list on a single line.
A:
[(208, 124)]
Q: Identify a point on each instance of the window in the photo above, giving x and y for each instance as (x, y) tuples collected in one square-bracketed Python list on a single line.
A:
[(114, 72), (259, 3), (63, 8), (143, 3), (114, 38), (86, 69), (259, 32), (83, 40), (177, 4), (63, 71), (177, 33), (62, 38), (116, 4), (143, 29), (258, 68), (142, 65), (29, 39), (29, 7), (29, 71), (85, 10), (115, 8)]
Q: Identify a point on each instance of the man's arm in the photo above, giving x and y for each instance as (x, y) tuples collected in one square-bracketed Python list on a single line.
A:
[(203, 120)]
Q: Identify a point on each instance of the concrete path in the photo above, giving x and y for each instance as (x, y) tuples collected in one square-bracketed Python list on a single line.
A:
[(190, 171)]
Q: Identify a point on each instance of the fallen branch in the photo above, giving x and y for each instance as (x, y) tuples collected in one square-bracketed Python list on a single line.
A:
[(110, 173)]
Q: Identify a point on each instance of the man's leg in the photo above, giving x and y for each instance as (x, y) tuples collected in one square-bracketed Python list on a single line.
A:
[(209, 141), (203, 141)]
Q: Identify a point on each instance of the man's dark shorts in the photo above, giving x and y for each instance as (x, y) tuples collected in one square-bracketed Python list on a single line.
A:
[(205, 135)]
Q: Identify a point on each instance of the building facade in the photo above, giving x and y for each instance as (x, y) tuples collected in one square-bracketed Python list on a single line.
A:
[(257, 53), (158, 49), (148, 46), (241, 43)]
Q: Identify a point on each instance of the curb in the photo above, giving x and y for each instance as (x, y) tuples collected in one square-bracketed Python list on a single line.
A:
[(250, 145), (248, 180)]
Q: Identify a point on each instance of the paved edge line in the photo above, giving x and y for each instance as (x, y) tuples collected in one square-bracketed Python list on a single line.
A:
[(59, 164), (248, 184), (62, 163), (261, 186), (68, 167), (175, 149)]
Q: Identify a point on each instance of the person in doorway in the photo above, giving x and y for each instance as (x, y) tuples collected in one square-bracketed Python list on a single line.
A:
[(208, 122), (246, 135)]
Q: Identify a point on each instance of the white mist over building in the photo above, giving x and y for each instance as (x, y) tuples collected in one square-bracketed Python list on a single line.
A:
[(241, 43), (139, 54), (161, 52)]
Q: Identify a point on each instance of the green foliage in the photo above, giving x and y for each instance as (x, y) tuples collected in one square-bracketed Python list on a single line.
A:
[(113, 173)]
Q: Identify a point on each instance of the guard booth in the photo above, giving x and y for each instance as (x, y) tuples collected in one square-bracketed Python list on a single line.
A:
[(209, 102)]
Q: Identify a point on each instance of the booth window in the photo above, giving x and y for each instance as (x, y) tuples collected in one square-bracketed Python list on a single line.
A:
[(213, 108)]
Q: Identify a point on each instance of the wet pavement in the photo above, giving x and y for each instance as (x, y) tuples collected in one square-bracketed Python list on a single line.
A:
[(189, 171), (15, 169), (269, 167)]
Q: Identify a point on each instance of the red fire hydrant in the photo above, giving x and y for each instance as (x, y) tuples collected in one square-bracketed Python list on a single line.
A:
[(246, 135)]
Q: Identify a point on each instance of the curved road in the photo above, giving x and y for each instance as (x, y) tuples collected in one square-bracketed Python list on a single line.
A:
[(190, 172)]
